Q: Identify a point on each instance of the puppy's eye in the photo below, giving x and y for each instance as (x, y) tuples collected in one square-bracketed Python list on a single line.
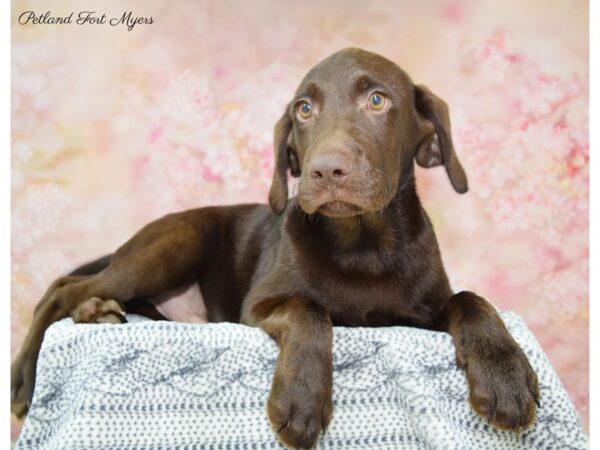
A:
[(377, 101), (303, 110)]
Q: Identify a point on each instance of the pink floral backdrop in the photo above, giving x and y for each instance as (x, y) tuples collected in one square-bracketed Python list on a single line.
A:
[(113, 128)]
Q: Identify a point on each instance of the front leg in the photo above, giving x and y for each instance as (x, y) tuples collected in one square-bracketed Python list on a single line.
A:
[(503, 387), (300, 402)]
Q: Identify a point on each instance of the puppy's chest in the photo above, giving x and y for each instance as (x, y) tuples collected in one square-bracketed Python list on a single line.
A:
[(364, 301)]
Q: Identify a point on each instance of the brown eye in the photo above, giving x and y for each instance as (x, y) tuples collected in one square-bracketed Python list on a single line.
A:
[(377, 101), (304, 109)]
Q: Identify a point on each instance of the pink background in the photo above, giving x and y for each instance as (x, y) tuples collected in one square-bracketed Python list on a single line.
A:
[(111, 129)]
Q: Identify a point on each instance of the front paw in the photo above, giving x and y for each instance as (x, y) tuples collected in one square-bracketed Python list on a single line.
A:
[(300, 408), (503, 386), (22, 379)]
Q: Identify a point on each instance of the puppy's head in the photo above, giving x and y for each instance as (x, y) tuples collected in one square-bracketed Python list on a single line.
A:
[(351, 134)]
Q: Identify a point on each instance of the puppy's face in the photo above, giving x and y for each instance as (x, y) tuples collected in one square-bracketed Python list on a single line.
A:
[(351, 132)]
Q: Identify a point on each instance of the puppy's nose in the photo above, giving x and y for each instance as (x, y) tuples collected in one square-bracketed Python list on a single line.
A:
[(330, 169)]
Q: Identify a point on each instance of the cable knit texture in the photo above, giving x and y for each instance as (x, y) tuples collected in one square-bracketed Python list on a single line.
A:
[(163, 385)]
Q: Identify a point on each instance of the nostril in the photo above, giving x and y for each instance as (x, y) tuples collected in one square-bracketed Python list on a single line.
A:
[(316, 174), (339, 173)]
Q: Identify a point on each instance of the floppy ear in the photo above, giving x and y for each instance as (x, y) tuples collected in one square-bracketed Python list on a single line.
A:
[(284, 158), (435, 147)]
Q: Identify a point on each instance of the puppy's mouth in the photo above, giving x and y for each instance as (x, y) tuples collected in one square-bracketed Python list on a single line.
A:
[(339, 209), (360, 196), (332, 204)]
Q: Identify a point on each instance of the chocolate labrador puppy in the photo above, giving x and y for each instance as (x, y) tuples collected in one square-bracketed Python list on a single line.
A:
[(354, 248)]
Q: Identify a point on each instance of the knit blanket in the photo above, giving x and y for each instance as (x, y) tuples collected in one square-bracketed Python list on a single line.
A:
[(170, 386)]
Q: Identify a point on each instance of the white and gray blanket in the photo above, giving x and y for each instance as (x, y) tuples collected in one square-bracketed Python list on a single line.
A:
[(170, 386)]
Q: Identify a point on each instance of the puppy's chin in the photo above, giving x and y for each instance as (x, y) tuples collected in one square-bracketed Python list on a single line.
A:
[(338, 205), (339, 209), (329, 206)]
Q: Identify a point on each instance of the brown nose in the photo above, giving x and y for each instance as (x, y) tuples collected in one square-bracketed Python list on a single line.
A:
[(330, 169)]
